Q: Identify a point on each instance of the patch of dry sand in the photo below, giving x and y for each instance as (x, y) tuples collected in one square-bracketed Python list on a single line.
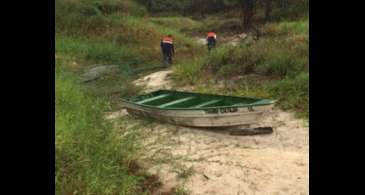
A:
[(225, 164), (155, 81), (115, 115)]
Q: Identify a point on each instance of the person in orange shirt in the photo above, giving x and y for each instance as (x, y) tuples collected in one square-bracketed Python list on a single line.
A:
[(211, 40), (168, 50)]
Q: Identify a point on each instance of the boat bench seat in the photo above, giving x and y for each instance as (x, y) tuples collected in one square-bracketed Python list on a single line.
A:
[(153, 98), (240, 104), (176, 102), (205, 103)]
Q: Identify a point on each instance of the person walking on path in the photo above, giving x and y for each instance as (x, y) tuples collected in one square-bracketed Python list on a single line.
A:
[(211, 40), (168, 50)]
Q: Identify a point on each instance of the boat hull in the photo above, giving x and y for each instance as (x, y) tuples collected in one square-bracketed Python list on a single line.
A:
[(202, 118)]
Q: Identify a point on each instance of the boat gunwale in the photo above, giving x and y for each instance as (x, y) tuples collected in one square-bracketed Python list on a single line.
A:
[(271, 101)]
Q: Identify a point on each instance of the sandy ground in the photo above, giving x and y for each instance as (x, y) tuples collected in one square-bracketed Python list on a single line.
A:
[(223, 164), (155, 81), (214, 162)]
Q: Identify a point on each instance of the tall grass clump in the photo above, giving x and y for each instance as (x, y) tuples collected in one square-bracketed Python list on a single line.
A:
[(279, 60), (97, 51), (293, 93), (85, 16), (282, 58), (176, 22), (268, 57), (287, 28), (230, 61), (217, 24), (293, 9), (102, 32), (91, 158), (129, 7), (188, 71)]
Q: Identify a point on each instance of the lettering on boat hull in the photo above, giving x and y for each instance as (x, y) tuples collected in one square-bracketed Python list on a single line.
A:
[(220, 110)]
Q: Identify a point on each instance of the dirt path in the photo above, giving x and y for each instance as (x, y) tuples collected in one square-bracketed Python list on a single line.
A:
[(155, 81), (214, 162), (230, 40)]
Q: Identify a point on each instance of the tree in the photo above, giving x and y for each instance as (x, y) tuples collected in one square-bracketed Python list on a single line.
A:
[(200, 6), (148, 4), (248, 11), (268, 9)]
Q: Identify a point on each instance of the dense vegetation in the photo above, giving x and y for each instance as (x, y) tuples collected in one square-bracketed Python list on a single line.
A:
[(276, 65), (91, 155), (250, 11), (113, 31)]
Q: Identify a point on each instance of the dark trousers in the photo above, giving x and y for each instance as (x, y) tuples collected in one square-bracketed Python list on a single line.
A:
[(211, 44), (167, 58)]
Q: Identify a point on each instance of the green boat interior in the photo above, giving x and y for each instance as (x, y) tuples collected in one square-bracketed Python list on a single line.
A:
[(166, 99)]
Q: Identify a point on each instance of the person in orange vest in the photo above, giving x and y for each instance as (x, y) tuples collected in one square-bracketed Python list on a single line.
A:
[(168, 50), (211, 39)]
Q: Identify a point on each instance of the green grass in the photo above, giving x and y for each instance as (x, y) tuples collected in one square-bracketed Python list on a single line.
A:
[(85, 16), (121, 6), (95, 157), (134, 46), (187, 72), (287, 28), (278, 64), (123, 39), (293, 93), (176, 22), (91, 157), (270, 57), (180, 191), (95, 51), (102, 32), (217, 24)]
